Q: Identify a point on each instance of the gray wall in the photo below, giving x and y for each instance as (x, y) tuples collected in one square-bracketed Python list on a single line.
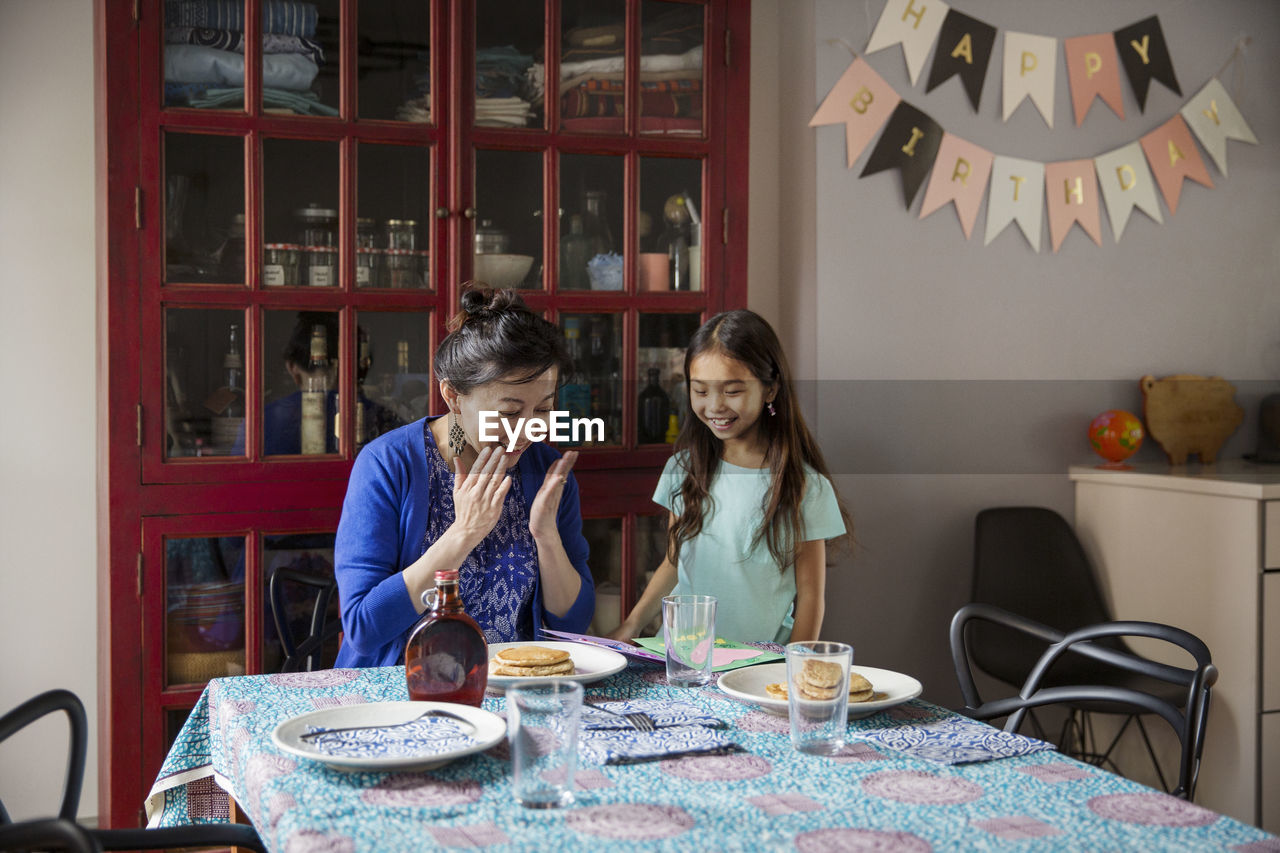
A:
[(949, 375)]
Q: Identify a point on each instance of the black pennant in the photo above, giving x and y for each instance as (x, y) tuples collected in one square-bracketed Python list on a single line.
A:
[(1145, 56), (909, 143), (964, 47)]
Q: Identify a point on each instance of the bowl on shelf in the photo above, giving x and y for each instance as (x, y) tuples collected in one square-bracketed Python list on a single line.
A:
[(500, 270)]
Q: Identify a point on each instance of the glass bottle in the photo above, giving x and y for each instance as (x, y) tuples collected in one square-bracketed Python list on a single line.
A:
[(574, 254), (231, 255), (675, 241), (228, 402), (595, 224), (655, 410), (366, 252), (575, 394), (315, 395), (446, 658)]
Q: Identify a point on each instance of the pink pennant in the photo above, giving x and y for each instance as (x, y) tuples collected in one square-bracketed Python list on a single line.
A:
[(863, 101), (1093, 68), (960, 174), (1174, 156), (1071, 194)]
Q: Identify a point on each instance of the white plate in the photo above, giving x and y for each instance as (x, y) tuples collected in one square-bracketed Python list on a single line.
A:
[(748, 684), (590, 663), (395, 754)]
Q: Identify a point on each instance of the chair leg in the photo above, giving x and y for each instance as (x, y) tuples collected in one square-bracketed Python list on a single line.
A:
[(1155, 762)]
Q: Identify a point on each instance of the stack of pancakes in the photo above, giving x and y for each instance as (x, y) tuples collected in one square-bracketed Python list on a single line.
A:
[(819, 681), (526, 661)]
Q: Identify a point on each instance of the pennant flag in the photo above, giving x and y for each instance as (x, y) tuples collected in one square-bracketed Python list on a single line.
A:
[(1145, 56), (909, 143), (1030, 70), (1017, 192), (1215, 118), (1127, 183), (1093, 69), (964, 48), (1071, 192), (912, 23), (1174, 156), (863, 101), (960, 173)]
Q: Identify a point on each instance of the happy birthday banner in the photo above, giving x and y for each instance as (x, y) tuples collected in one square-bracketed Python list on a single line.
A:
[(959, 171), (965, 44)]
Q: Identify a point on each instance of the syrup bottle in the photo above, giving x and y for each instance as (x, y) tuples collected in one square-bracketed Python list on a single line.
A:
[(447, 658)]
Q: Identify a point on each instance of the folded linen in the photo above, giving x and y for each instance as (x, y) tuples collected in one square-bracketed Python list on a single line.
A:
[(682, 729), (190, 63), (278, 16), (233, 40), (953, 741)]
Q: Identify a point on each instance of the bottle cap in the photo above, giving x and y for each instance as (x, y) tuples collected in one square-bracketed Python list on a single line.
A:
[(447, 576)]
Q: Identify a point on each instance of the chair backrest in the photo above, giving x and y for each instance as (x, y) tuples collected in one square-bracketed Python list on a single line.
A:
[(1027, 560), (49, 702), (304, 653), (47, 833), (1188, 719)]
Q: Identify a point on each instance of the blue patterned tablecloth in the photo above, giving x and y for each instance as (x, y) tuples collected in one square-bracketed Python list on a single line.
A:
[(767, 797)]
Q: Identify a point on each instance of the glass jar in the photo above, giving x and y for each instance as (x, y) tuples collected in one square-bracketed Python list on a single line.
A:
[(400, 268), (321, 266), (280, 264), (401, 234), (446, 658), (367, 253), (318, 230)]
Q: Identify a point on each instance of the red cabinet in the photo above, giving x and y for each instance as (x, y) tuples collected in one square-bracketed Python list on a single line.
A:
[(281, 177)]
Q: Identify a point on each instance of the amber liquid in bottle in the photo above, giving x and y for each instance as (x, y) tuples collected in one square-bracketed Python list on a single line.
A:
[(447, 658)]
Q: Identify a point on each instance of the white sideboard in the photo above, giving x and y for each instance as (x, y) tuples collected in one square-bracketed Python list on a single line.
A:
[(1199, 547)]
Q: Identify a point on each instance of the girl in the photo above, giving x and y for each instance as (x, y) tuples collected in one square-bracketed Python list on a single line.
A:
[(750, 501)]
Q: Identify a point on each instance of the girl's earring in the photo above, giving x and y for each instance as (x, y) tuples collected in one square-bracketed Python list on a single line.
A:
[(772, 411), (457, 438)]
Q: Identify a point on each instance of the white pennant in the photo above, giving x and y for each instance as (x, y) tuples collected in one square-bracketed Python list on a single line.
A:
[(1030, 69), (912, 23), (1016, 192), (1126, 182), (1214, 118)]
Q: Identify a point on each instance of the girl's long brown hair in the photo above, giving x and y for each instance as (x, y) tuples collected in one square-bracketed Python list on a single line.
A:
[(746, 337)]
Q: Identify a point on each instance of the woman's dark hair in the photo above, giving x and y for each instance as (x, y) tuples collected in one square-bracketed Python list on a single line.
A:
[(496, 336), (746, 337)]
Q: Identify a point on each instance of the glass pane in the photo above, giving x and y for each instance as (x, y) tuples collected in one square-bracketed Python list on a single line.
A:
[(300, 58), (670, 224), (509, 86), (394, 368), (299, 383), (204, 55), (604, 537), (204, 208), (594, 389), (300, 211), (204, 382), (393, 209), (671, 82), (591, 225), (393, 39), (204, 608), (660, 359), (649, 549), (593, 40), (508, 239), (303, 556)]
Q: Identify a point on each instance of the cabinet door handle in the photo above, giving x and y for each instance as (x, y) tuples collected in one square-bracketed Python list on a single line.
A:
[(470, 213), (442, 213)]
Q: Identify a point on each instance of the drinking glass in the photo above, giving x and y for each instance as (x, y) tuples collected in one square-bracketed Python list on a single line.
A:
[(542, 730), (689, 631), (818, 695)]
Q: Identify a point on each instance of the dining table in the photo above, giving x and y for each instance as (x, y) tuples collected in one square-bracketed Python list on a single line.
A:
[(875, 793)]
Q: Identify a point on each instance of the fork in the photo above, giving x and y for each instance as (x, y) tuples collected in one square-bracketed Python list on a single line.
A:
[(430, 712), (638, 721)]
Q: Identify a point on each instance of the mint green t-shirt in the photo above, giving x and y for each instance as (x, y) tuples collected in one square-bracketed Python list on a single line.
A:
[(755, 598)]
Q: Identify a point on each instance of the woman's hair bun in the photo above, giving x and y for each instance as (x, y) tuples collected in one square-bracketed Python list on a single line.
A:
[(484, 303)]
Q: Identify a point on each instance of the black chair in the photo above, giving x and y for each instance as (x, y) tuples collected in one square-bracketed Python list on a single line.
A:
[(1028, 560), (306, 653), (1188, 717), (63, 832)]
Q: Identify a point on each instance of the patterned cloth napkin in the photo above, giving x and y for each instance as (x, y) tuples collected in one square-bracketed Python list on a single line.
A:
[(682, 729), (954, 741), (428, 736)]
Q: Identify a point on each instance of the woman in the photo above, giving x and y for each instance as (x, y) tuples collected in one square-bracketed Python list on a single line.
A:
[(433, 495)]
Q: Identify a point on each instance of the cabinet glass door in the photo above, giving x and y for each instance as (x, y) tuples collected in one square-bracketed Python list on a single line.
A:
[(592, 90), (393, 369), (204, 50), (300, 363), (204, 205), (669, 228), (509, 218), (204, 608), (508, 38), (393, 60), (299, 556), (649, 549), (593, 391), (591, 195), (660, 363), (204, 382), (393, 211), (671, 59), (300, 211), (301, 43)]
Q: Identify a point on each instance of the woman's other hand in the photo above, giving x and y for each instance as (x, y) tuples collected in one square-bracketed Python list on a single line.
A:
[(478, 494), (546, 504)]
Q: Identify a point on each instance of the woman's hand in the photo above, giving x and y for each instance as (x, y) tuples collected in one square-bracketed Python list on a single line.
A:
[(546, 504), (478, 495)]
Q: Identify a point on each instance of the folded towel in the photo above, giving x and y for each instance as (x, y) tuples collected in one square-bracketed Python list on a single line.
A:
[(628, 746), (425, 737), (953, 741), (663, 713)]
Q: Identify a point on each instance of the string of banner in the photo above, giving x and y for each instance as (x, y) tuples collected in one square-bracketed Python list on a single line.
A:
[(960, 171)]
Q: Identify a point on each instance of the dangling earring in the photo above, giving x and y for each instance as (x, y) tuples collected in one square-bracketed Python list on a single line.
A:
[(772, 411), (457, 438)]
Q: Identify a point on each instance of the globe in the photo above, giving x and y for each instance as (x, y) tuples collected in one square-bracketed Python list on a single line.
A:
[(1115, 435)]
